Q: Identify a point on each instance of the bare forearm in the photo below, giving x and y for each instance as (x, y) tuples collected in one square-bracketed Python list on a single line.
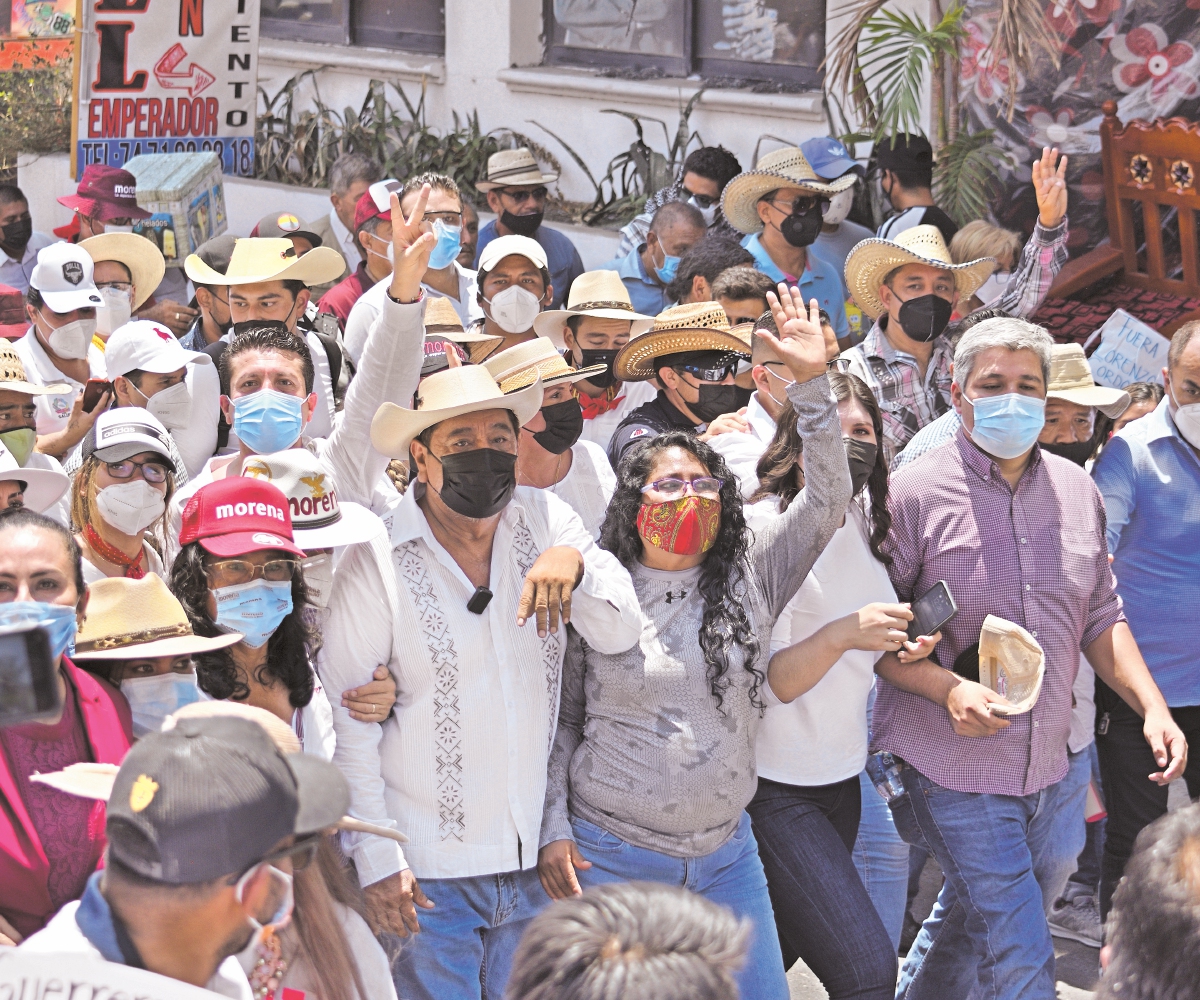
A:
[(58, 443), (1118, 662), (799, 668), (924, 678)]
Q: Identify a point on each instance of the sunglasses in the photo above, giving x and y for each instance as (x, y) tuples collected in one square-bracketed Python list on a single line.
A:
[(525, 194), (709, 374), (702, 200), (801, 205), (152, 472)]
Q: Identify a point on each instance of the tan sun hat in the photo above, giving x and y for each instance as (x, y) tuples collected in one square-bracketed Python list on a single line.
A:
[(594, 293), (14, 379), (144, 260), (519, 366), (1071, 379), (694, 326), (781, 168), (513, 168), (873, 260), (441, 318), (447, 394), (262, 259), (129, 619)]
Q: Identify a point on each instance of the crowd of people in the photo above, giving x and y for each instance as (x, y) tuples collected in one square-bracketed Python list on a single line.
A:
[(434, 618)]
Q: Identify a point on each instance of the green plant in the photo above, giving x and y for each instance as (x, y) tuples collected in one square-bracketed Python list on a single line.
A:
[(966, 174), (35, 112)]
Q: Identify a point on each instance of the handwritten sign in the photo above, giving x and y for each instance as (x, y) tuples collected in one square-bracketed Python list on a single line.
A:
[(35, 975), (1129, 351), (170, 76)]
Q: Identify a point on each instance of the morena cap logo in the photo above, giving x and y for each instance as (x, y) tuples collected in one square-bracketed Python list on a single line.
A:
[(73, 272), (164, 334), (124, 191)]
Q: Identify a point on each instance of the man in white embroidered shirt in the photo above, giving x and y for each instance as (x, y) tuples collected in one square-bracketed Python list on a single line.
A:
[(448, 602)]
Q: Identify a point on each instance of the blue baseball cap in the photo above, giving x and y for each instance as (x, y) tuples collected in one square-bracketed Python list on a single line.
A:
[(828, 157)]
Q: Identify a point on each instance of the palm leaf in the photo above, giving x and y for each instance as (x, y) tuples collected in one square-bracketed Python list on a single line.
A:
[(966, 175), (1021, 33)]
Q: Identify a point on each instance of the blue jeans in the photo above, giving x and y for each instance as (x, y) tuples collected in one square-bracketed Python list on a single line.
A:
[(731, 876), (467, 941), (987, 937), (881, 857), (1069, 833)]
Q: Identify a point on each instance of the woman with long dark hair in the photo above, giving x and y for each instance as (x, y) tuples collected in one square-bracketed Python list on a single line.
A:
[(653, 761), (811, 751)]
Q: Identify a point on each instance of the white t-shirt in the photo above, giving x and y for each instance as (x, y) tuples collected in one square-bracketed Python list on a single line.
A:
[(821, 737), (742, 450), (588, 485), (53, 412)]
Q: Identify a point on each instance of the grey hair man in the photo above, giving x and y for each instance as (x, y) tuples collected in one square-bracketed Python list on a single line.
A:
[(350, 176), (638, 940)]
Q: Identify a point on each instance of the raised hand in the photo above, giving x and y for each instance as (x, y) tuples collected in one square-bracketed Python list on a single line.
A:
[(800, 344), (412, 243), (1050, 187)]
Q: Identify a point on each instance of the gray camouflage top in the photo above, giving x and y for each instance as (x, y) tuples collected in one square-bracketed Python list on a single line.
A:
[(642, 750)]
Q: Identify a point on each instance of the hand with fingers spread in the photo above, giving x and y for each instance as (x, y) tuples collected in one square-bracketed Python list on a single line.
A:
[(548, 587), (1050, 188), (801, 343), (412, 243), (373, 701), (557, 862), (392, 904)]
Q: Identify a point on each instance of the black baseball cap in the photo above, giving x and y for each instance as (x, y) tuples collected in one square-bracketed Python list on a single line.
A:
[(910, 152), (217, 251), (212, 797)]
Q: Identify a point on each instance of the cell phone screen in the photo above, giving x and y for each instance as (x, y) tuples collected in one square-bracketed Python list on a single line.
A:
[(28, 679), (932, 611)]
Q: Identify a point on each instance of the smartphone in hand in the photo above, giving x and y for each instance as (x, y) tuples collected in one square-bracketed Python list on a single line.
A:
[(93, 392), (932, 611)]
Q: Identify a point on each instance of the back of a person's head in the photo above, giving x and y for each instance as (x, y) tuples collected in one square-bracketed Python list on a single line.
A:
[(351, 168), (1154, 927), (632, 941), (981, 238)]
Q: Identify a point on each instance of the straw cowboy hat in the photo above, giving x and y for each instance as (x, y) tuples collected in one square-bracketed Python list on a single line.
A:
[(43, 487), (782, 168), (1071, 379), (513, 168), (695, 326), (140, 255), (521, 365), (443, 323), (13, 378), (873, 260), (95, 781), (261, 259), (595, 293), (447, 394), (137, 619)]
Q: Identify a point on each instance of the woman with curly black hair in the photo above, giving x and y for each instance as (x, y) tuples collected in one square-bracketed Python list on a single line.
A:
[(653, 761)]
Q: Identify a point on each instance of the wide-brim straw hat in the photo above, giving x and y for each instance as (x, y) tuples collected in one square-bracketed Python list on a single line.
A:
[(594, 293), (137, 619), (261, 259), (446, 394), (694, 326), (520, 366), (14, 379), (513, 168), (442, 318), (781, 168), (1071, 380), (874, 259), (144, 260)]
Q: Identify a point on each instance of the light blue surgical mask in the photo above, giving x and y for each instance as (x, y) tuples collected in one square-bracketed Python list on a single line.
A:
[(1007, 426), (268, 421), (57, 619), (666, 271), (255, 609), (449, 242), (152, 699)]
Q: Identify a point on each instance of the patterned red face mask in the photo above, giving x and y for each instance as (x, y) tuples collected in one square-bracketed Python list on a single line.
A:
[(684, 526)]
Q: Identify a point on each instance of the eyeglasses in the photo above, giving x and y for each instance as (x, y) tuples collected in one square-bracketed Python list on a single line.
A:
[(838, 364), (452, 219), (152, 472), (120, 286), (709, 374), (525, 194), (702, 200), (702, 486), (301, 852), (232, 572), (801, 205)]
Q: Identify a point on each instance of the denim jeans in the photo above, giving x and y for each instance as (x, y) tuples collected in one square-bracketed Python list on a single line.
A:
[(822, 912), (732, 876), (1069, 828), (881, 857), (467, 941), (1085, 881), (987, 937)]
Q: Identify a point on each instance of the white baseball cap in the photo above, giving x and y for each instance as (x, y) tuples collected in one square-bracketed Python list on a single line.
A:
[(144, 345), (381, 193), (509, 246), (126, 431), (63, 274)]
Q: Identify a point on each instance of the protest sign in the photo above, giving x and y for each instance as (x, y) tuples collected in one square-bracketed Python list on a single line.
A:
[(170, 76), (36, 975), (1129, 351)]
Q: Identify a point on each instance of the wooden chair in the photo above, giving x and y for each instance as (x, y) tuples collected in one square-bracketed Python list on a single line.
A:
[(1151, 187)]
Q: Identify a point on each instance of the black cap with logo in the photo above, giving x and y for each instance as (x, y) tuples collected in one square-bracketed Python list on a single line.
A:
[(212, 797)]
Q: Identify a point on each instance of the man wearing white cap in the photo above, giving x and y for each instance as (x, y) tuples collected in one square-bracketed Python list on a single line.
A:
[(514, 287), (61, 306), (461, 768)]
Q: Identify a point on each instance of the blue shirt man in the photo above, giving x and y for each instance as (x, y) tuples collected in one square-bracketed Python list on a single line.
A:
[(647, 270), (819, 281)]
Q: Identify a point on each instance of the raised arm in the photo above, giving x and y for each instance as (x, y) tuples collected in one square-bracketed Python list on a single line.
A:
[(1046, 252)]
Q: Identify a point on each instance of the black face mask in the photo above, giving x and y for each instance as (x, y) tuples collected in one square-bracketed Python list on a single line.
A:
[(717, 399), (802, 230), (478, 483), (18, 233), (564, 425), (604, 379), (522, 225), (861, 457), (1073, 451), (924, 318)]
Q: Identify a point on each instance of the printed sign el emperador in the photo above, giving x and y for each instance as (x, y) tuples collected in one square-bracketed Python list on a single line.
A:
[(166, 76)]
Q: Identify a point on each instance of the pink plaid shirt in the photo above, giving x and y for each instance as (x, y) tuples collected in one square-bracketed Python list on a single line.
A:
[(1036, 556)]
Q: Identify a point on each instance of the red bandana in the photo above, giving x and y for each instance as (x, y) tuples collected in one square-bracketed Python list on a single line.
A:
[(132, 568), (595, 406)]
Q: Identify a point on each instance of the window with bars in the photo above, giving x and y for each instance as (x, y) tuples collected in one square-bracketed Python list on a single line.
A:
[(777, 40), (410, 25)]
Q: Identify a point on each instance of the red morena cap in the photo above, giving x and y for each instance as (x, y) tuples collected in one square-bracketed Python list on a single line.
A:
[(237, 515), (106, 193)]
